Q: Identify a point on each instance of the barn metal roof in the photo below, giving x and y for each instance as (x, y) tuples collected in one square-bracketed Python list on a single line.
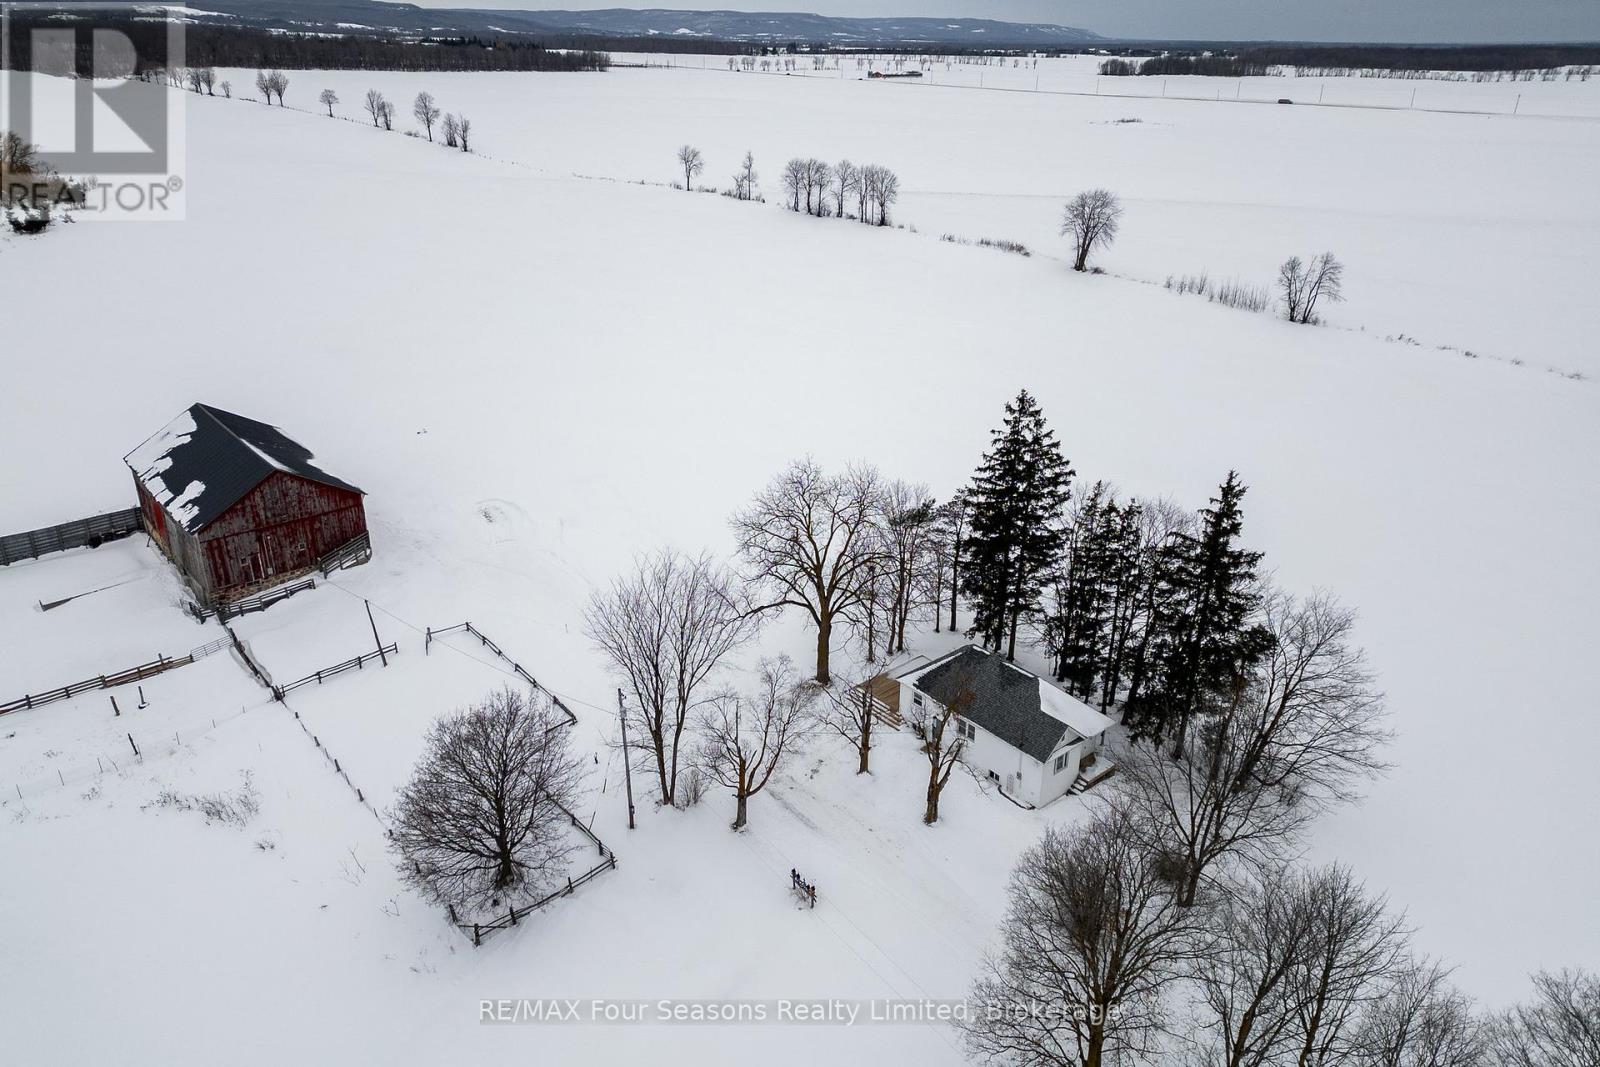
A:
[(204, 461), (1013, 704)]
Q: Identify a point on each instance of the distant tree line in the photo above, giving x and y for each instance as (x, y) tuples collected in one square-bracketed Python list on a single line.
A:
[(228, 46), (1401, 57), (1208, 66), (1258, 61)]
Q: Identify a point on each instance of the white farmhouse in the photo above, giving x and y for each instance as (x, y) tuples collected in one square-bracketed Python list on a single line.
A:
[(1022, 732)]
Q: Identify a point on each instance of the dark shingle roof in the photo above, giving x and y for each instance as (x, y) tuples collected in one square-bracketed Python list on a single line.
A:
[(1005, 701), (205, 460)]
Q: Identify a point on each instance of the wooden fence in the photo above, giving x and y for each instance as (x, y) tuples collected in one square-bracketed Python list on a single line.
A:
[(104, 681), (92, 531), (355, 664), (352, 553), (608, 862), (516, 668), (250, 604)]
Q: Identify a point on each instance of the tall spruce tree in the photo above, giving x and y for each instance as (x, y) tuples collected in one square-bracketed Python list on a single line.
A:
[(1016, 503), (1204, 637), (1078, 628)]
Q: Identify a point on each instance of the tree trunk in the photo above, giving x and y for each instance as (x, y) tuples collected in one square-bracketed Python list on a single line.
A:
[(866, 730), (1011, 647), (1190, 889), (661, 766), (955, 567), (1095, 1046), (931, 815), (739, 814), (824, 633)]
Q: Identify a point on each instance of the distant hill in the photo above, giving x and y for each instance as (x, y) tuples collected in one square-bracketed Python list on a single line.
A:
[(375, 16)]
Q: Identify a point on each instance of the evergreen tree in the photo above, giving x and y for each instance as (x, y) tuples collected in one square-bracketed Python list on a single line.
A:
[(1078, 630), (1204, 639), (1016, 501), (1128, 575)]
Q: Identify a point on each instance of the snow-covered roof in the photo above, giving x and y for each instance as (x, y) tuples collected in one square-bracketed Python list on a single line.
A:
[(204, 461), (1014, 704)]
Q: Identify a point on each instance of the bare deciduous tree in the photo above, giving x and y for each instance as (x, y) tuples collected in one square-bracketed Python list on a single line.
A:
[(1421, 1020), (880, 188), (794, 182), (943, 743), (1090, 221), (692, 162), (847, 710), (1304, 732), (426, 112), (480, 821), (1091, 944), (464, 133), (1559, 1028), (227, 89), (1355, 948), (1259, 936), (328, 99), (386, 113), (909, 522), (846, 176), (666, 627), (1305, 286), (375, 105), (744, 740), (744, 179), (451, 128), (269, 82), (808, 540), (17, 156), (208, 78), (817, 177)]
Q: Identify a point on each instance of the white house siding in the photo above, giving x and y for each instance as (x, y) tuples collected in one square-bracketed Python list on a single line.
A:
[(1023, 777)]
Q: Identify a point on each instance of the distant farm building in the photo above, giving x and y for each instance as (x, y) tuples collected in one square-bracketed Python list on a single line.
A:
[(238, 506)]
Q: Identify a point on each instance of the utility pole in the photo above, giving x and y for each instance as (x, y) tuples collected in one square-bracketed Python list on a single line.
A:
[(375, 636), (627, 764)]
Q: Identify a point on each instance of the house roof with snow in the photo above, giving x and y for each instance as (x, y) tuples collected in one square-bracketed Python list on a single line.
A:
[(204, 461), (1015, 705)]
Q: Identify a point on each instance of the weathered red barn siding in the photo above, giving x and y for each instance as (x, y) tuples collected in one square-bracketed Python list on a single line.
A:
[(282, 526), (179, 544)]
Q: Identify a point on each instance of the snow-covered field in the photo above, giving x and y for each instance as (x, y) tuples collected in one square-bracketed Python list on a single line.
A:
[(535, 375), (1471, 231)]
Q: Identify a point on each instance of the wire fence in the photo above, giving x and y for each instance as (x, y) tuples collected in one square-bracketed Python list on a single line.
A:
[(141, 746)]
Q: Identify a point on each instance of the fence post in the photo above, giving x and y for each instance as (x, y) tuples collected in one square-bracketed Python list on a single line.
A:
[(132, 745), (513, 913), (116, 711), (142, 702), (477, 935)]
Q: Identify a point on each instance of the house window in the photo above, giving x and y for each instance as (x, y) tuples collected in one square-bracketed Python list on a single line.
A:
[(1061, 762), (916, 700), (966, 730), (993, 777)]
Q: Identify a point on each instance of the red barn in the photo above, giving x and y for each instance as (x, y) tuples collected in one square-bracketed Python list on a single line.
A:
[(238, 506)]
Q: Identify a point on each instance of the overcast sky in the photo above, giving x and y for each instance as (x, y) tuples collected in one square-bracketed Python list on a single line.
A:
[(1328, 20)]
